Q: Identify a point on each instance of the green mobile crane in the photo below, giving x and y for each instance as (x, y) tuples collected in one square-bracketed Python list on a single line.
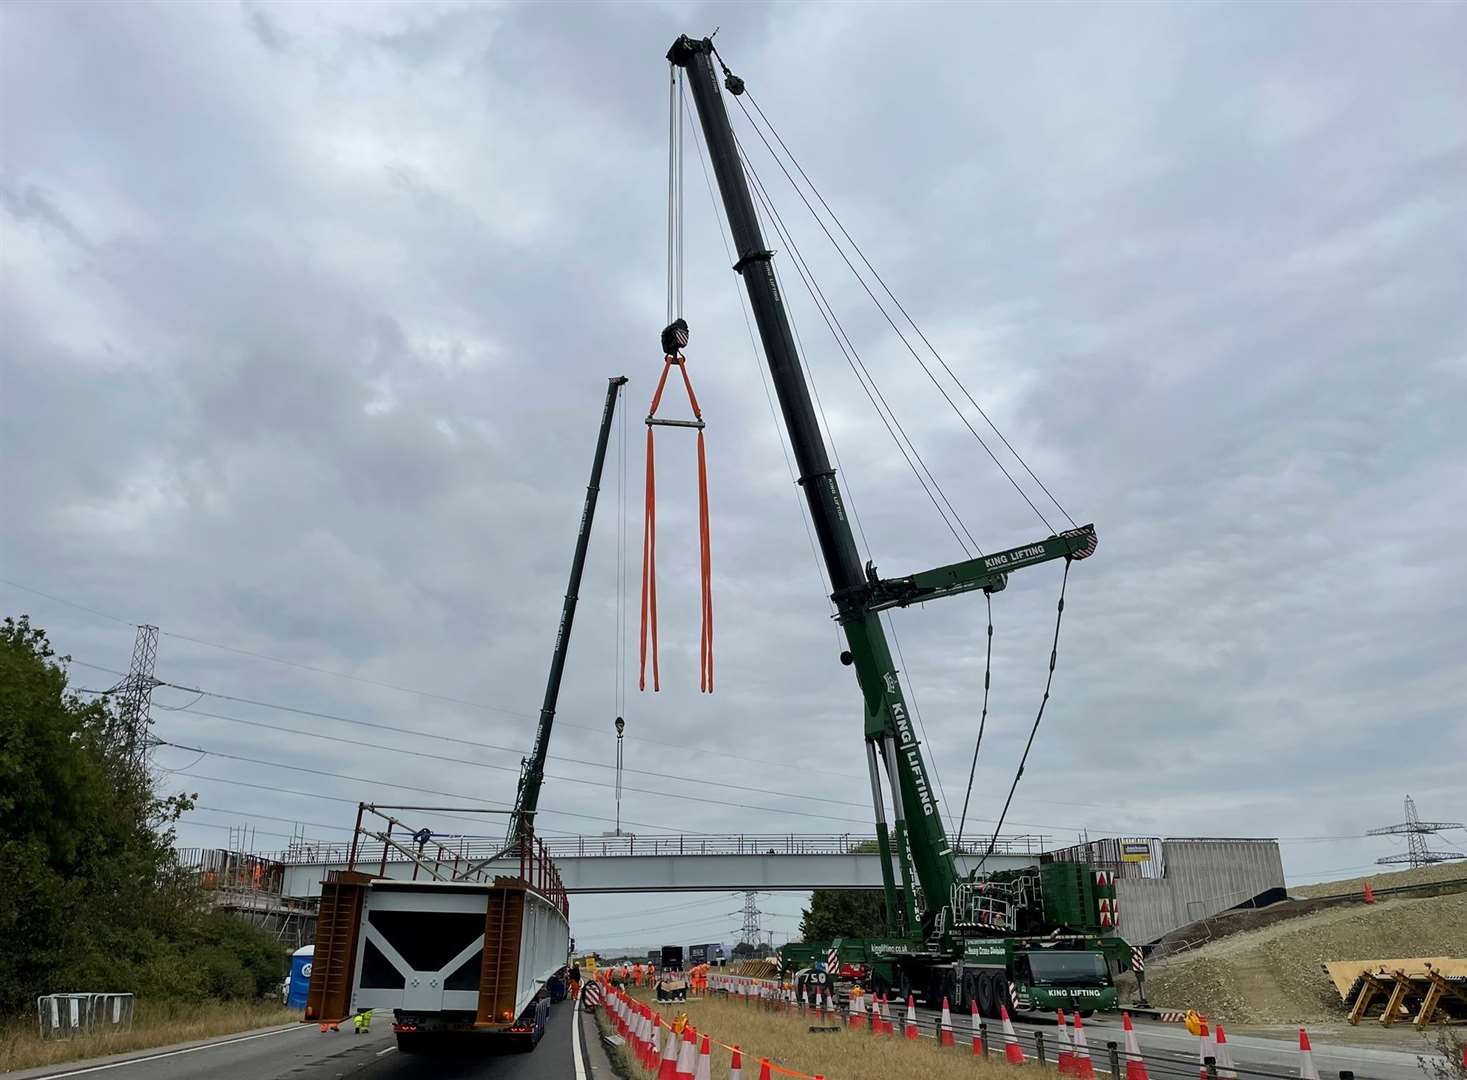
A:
[(986, 939)]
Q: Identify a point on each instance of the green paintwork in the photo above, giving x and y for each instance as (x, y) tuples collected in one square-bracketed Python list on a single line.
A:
[(989, 572)]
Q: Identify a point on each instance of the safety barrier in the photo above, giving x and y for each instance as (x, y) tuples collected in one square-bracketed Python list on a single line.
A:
[(1067, 1048), (684, 1054), (65, 1016)]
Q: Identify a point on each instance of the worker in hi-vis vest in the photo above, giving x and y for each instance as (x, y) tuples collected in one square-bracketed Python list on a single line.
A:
[(363, 1021)]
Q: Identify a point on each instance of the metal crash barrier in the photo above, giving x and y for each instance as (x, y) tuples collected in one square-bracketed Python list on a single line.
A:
[(65, 1016)]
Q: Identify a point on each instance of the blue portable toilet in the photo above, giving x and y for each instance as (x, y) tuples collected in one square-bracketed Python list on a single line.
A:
[(300, 977)]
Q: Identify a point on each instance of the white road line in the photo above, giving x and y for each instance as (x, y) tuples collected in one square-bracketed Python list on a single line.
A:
[(389, 1050), (170, 1053), (576, 1040)]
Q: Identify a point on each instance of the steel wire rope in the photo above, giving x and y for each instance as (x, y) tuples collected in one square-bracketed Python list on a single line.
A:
[(983, 716), (619, 676), (825, 589), (857, 366), (891, 627), (1038, 716), (895, 300), (897, 330)]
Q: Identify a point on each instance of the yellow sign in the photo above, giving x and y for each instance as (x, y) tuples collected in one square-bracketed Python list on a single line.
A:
[(1135, 851)]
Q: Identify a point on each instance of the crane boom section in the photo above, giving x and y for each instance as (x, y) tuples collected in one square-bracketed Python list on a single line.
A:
[(532, 774), (887, 721)]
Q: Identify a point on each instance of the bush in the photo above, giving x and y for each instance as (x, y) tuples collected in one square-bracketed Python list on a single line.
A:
[(91, 894)]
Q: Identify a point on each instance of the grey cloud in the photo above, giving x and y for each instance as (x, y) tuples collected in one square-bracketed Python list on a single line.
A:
[(315, 369)]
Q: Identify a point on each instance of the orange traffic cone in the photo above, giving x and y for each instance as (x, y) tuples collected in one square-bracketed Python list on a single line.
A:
[(687, 1058), (764, 1069), (1369, 894), (1307, 1071), (1225, 1068), (1135, 1067), (704, 1071), (736, 1066), (1204, 1051), (858, 1010), (977, 1032), (652, 1050), (911, 1031), (946, 1038), (667, 1067), (1064, 1050), (1084, 1067), (1010, 1040)]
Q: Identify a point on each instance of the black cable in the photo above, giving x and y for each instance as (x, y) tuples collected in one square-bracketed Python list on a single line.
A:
[(891, 322), (382, 783), (662, 744), (550, 776), (1053, 656), (982, 719), (505, 749), (873, 392)]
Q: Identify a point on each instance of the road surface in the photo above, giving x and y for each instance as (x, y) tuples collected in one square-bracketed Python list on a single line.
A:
[(1171, 1053), (303, 1053)]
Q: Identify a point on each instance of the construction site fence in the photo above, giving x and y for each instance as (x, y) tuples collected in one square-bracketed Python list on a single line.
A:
[(1036, 1043), (478, 847), (65, 1016)]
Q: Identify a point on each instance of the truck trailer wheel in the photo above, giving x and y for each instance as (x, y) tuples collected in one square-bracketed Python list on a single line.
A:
[(411, 1042)]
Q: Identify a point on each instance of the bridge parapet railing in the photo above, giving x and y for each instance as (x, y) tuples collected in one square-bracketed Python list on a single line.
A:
[(662, 844)]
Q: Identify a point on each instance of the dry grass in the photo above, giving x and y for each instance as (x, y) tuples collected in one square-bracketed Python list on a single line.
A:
[(155, 1024), (844, 1055)]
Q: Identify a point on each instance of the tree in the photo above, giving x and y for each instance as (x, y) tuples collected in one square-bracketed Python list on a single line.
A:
[(837, 913), (91, 893)]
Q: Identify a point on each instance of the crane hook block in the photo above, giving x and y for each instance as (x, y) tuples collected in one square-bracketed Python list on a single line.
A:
[(674, 337)]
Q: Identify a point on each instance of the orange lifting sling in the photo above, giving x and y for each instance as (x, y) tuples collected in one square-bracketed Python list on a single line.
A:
[(673, 338)]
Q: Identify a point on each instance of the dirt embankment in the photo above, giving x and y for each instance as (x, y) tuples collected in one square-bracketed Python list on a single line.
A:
[(1274, 974)]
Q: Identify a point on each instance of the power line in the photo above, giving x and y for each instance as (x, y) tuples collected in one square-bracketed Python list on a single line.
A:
[(418, 733), (682, 798), (661, 743), (447, 813)]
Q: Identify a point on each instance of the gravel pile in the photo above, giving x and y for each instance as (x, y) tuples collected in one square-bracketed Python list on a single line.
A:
[(1275, 976), (1420, 876)]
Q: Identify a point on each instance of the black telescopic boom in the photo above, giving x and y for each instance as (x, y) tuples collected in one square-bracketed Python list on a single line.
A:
[(532, 774), (891, 738)]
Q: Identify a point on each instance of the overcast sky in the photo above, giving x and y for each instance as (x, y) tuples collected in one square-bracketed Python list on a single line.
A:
[(306, 319)]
